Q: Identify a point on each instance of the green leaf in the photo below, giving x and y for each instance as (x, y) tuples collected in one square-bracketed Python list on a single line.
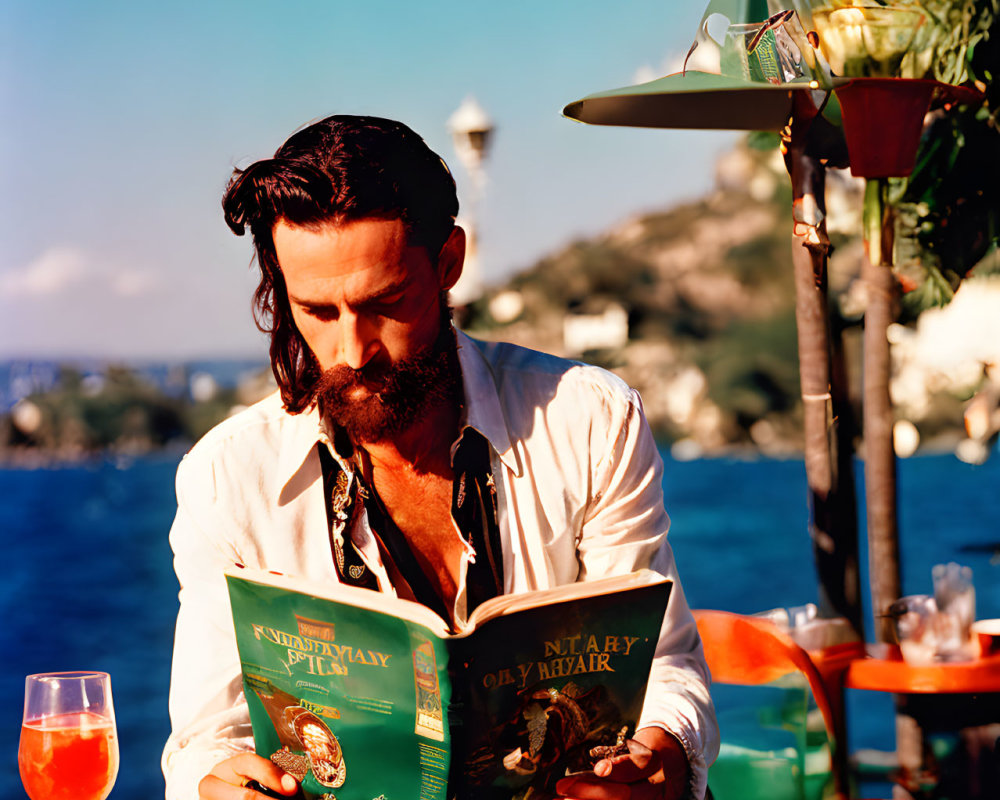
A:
[(763, 140), (933, 292)]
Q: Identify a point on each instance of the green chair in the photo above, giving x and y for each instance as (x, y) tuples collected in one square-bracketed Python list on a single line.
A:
[(778, 716)]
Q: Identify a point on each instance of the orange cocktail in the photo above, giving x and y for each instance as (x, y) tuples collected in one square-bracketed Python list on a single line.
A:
[(69, 748)]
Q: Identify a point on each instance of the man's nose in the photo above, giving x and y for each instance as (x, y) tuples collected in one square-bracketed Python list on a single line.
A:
[(358, 342)]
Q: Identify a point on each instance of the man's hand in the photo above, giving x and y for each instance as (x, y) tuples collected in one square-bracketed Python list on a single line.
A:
[(228, 779), (655, 768)]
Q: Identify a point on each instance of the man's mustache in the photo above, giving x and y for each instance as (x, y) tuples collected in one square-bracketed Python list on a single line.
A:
[(339, 379)]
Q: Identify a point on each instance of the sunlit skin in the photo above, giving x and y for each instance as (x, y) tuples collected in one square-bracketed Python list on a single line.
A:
[(362, 296), (661, 773)]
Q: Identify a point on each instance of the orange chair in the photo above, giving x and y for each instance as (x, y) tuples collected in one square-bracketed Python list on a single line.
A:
[(751, 651)]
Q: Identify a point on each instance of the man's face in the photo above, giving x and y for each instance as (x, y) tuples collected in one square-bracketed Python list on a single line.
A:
[(369, 307)]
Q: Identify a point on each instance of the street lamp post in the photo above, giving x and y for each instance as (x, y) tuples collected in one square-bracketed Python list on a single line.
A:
[(472, 133)]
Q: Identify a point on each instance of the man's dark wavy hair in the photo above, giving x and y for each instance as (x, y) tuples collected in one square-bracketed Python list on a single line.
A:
[(338, 170)]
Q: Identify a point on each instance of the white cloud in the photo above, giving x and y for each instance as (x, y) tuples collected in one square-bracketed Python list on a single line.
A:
[(54, 271), (134, 282), (62, 270), (645, 74)]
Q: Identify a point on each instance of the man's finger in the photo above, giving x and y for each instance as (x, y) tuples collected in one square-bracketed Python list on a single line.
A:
[(624, 777), (212, 787), (230, 778), (593, 788), (638, 764)]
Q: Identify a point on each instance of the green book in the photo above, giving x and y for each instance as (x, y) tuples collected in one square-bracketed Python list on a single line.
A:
[(363, 696)]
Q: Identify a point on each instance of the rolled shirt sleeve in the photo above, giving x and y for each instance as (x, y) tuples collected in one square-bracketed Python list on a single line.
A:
[(626, 529), (208, 713)]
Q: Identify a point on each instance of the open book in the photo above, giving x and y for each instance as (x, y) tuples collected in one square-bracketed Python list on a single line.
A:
[(363, 696)]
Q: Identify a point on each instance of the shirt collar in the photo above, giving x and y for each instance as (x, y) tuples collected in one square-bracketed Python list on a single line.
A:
[(483, 411), (299, 435)]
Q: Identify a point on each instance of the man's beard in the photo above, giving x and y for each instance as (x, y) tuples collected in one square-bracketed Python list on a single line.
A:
[(405, 390)]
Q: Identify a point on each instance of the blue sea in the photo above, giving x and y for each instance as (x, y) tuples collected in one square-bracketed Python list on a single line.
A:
[(90, 585)]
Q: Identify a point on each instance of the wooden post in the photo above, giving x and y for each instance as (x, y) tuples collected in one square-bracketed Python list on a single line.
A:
[(833, 524), (833, 512), (880, 457)]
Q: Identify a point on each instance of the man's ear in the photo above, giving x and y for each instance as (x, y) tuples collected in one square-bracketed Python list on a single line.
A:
[(451, 259)]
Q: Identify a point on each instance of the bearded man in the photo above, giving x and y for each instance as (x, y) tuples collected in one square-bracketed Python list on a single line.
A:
[(402, 456)]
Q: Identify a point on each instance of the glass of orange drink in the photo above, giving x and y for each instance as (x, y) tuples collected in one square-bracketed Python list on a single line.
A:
[(69, 746)]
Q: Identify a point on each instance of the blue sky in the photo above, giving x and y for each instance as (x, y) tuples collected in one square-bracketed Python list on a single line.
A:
[(123, 120)]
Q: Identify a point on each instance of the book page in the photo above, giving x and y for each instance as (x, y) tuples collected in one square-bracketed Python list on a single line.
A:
[(380, 602), (512, 603), (351, 701), (543, 686)]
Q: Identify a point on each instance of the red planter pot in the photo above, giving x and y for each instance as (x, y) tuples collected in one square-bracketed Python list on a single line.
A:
[(883, 118)]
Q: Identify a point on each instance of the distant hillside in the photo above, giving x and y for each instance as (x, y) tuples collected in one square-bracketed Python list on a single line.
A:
[(708, 292)]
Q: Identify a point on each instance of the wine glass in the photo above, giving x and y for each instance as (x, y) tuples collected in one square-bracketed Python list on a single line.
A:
[(69, 747)]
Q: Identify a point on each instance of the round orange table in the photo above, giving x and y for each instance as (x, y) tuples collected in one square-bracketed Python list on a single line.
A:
[(883, 670), (950, 697)]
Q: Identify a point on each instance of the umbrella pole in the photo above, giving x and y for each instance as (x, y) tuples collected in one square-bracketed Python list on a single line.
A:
[(833, 518), (829, 472), (880, 457)]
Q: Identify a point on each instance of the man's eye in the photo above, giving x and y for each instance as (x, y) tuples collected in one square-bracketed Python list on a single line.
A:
[(322, 313), (386, 306)]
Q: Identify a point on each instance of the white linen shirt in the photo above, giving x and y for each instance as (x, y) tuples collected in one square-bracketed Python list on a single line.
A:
[(579, 496)]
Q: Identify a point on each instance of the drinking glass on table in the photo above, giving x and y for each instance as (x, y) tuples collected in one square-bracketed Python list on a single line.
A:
[(69, 747)]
